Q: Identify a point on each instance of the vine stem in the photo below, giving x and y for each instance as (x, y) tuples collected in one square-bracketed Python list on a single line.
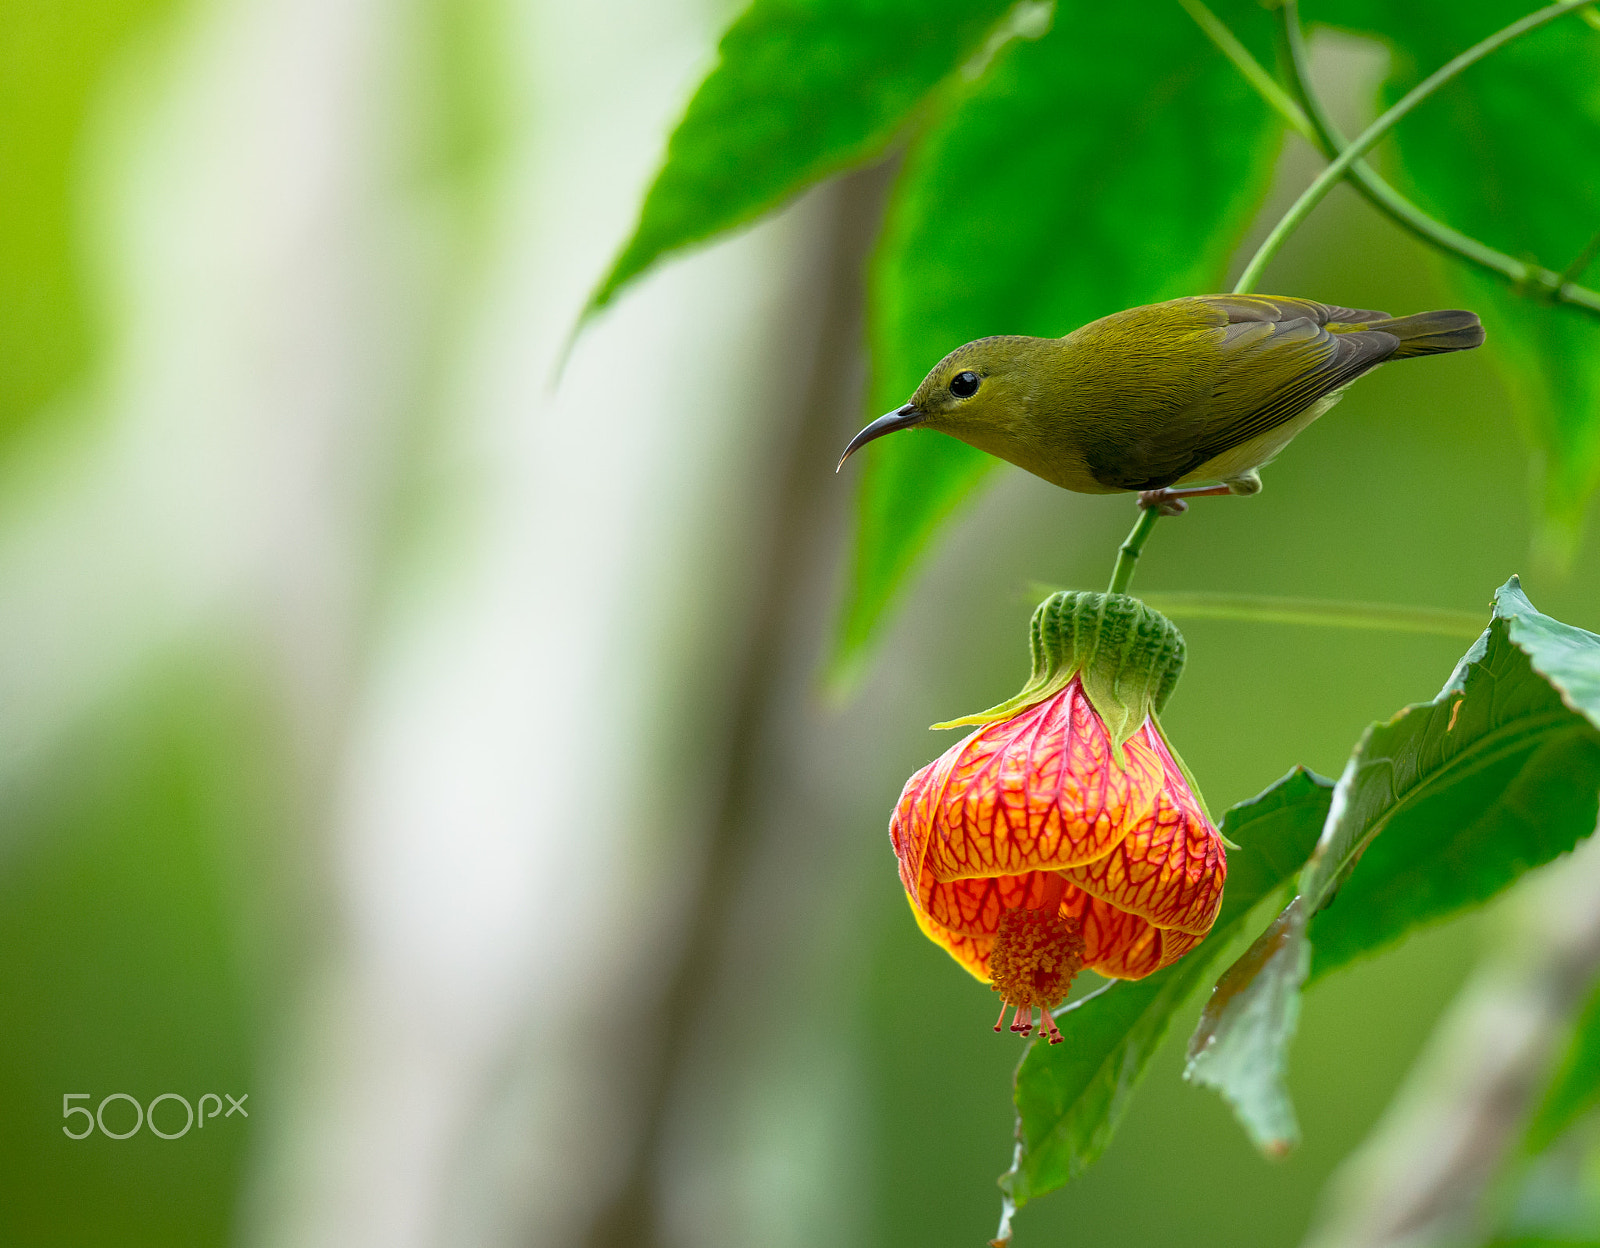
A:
[(1560, 288), (1314, 124), (1340, 166), (1346, 162)]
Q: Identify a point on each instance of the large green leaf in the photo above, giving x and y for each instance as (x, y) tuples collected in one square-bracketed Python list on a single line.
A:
[(1071, 1096), (802, 89), (1114, 162), (1510, 153), (1499, 773)]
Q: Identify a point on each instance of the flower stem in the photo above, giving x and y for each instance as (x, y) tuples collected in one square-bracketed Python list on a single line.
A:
[(1131, 546), (1340, 166)]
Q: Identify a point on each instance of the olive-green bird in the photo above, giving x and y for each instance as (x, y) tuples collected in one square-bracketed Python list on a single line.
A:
[(1201, 389)]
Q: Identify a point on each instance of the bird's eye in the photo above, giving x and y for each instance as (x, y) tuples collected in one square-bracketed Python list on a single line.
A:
[(964, 385)]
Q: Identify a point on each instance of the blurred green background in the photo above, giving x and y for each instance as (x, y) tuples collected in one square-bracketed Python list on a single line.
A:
[(365, 698)]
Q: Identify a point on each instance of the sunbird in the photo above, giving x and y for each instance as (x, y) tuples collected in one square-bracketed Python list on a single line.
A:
[(1207, 388)]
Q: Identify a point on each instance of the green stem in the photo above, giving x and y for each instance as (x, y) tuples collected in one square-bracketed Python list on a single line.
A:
[(1345, 162), (1316, 612), (1340, 166), (1313, 612), (1558, 287), (1129, 554)]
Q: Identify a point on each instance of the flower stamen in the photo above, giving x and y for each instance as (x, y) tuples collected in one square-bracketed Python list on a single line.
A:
[(1037, 952)]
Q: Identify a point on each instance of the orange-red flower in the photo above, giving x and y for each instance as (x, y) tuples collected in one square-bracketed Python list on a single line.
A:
[(1048, 841)]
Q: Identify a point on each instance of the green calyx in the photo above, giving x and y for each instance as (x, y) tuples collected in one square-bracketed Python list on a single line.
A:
[(1127, 656)]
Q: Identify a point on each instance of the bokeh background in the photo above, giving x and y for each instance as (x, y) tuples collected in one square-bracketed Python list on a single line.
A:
[(426, 740)]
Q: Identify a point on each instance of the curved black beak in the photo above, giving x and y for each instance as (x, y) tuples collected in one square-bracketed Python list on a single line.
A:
[(901, 418)]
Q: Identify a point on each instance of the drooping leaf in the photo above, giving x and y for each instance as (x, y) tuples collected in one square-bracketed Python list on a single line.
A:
[(1071, 1096), (1254, 1009), (1510, 153), (1575, 1090), (1114, 162), (802, 89), (1442, 807)]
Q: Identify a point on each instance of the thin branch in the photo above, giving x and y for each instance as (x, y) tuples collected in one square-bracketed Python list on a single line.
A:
[(1339, 168)]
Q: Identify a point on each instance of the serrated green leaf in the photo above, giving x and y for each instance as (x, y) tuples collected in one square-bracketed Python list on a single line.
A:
[(1500, 773), (1575, 1089), (1070, 1097), (1508, 154), (802, 89), (1497, 774), (1112, 163)]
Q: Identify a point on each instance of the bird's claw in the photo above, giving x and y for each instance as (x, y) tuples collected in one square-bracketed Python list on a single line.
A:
[(1164, 501)]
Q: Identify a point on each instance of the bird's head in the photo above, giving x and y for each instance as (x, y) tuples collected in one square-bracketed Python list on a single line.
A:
[(981, 393)]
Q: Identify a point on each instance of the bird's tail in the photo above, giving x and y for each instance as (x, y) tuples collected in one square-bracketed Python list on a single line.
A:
[(1431, 333)]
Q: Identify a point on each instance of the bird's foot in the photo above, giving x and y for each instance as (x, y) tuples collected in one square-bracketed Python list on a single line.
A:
[(1172, 502), (1166, 502)]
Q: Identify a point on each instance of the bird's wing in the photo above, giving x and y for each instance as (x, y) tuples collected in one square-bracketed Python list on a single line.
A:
[(1276, 360), (1273, 373), (1243, 309), (1269, 359)]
